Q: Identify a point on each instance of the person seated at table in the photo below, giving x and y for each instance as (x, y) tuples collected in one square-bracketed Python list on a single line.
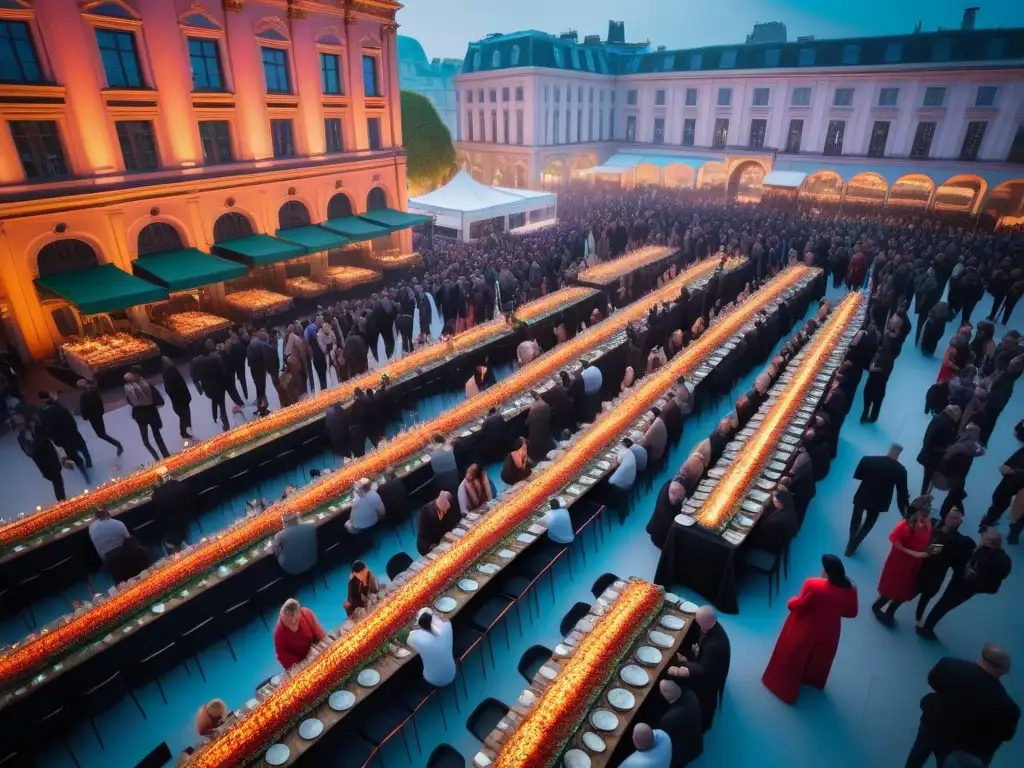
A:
[(653, 748), (592, 382), (777, 525), (367, 507), (481, 379), (672, 416), (443, 464), (655, 440), (683, 721), (667, 506), (517, 466), (210, 716), (560, 400), (707, 655), (394, 495), (362, 584), (538, 429), (436, 518), (721, 436), (624, 475), (128, 560), (493, 436), (107, 534), (691, 472), (474, 490), (297, 630), (294, 545), (432, 640), (559, 524), (746, 407)]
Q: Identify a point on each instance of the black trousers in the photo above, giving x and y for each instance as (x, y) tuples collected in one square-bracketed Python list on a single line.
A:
[(872, 404), (928, 593), (320, 363), (259, 379), (58, 485), (144, 427), (184, 414), (925, 745), (929, 473), (101, 432), (78, 453), (1008, 309), (218, 406), (861, 522), (406, 340), (956, 594), (240, 373)]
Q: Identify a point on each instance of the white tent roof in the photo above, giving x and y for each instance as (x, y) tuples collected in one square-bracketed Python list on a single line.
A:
[(790, 179)]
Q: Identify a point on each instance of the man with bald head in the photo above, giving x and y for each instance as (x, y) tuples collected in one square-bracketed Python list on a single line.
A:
[(968, 709), (880, 477), (653, 748), (683, 723), (667, 506), (704, 662)]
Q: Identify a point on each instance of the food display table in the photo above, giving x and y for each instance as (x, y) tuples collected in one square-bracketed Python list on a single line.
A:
[(255, 303), (184, 328), (398, 260), (305, 287), (94, 356), (343, 278)]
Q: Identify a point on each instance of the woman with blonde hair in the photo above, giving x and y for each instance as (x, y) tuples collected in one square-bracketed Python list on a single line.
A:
[(297, 630), (210, 717)]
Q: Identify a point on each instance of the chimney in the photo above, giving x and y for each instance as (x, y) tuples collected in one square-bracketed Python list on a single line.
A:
[(617, 32), (968, 21)]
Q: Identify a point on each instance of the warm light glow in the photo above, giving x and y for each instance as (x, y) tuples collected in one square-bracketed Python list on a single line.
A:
[(343, 278), (194, 325), (111, 350), (743, 471), (624, 265), (257, 300), (304, 287)]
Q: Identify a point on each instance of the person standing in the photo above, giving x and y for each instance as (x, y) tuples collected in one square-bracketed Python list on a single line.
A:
[(874, 390), (940, 434), (807, 645), (898, 582), (984, 574), (179, 395), (236, 353), (950, 549), (258, 355), (37, 446), (229, 378), (211, 379), (145, 401), (62, 429), (1011, 483), (879, 477), (91, 406), (968, 709)]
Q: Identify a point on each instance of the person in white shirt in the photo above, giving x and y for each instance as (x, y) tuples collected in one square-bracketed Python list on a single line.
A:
[(639, 452), (433, 642), (107, 534), (653, 748), (367, 508), (625, 474), (559, 524)]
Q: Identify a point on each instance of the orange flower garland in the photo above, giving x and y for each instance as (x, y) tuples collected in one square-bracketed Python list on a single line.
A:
[(624, 264), (175, 572), (744, 470), (316, 681), (540, 737)]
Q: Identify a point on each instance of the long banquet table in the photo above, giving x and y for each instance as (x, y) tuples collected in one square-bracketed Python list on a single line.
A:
[(701, 549)]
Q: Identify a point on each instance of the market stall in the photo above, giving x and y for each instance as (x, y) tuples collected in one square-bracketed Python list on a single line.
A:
[(262, 292)]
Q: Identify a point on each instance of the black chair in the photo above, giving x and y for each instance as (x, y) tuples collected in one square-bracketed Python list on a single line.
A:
[(416, 692), (383, 722), (238, 615), (397, 564), (532, 660), (489, 614), (603, 582), (157, 758), (485, 718), (574, 614), (205, 633), (103, 696), (157, 664), (446, 756), (465, 640), (763, 562)]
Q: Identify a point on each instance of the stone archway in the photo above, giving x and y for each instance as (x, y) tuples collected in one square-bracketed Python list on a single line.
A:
[(1006, 199), (678, 176), (231, 226), (746, 182), (960, 193), (292, 214), (713, 177), (554, 172), (68, 255), (822, 185), (867, 188), (912, 189)]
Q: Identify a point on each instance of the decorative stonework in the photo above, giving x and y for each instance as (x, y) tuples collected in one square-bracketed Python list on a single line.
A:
[(198, 16), (272, 24), (236, 6), (294, 11)]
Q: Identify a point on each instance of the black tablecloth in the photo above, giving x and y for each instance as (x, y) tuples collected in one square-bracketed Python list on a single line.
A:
[(702, 561)]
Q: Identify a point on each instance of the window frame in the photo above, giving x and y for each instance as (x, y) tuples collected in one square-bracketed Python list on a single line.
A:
[(721, 129), (806, 56), (203, 41), (993, 89), (881, 95), (835, 139), (762, 125), (801, 89), (844, 90), (265, 48), (727, 91), (794, 122), (340, 121), (931, 89), (632, 97), (324, 55), (696, 97), (230, 139), (631, 134), (38, 149), (660, 98), (374, 120), (131, 33), (965, 155), (274, 138), (885, 139), (133, 141), (28, 22), (374, 56), (767, 92), (923, 128), (689, 123), (658, 129)]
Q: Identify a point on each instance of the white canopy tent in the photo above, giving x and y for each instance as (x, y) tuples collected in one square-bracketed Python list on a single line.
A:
[(464, 201), (787, 179)]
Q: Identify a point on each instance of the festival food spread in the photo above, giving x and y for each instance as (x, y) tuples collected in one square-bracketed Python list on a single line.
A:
[(97, 354), (398, 260), (191, 326), (343, 278), (633, 260), (256, 302), (304, 287)]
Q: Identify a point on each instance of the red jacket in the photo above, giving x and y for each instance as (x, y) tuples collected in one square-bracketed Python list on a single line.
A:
[(293, 647)]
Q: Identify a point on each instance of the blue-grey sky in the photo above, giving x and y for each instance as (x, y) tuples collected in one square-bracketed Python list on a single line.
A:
[(445, 27)]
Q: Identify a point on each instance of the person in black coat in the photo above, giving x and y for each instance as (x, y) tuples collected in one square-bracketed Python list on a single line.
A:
[(172, 499), (707, 655), (666, 507), (404, 325), (395, 496), (880, 477), (968, 709), (37, 446), (940, 434), (561, 403), (801, 483), (436, 518), (91, 406), (211, 378), (336, 423), (683, 721), (874, 390), (258, 353), (61, 427), (538, 430), (949, 550), (493, 437), (777, 526), (179, 395), (426, 316), (356, 354)]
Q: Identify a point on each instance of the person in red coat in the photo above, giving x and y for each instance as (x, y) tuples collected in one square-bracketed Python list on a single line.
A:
[(911, 539), (807, 646), (297, 630)]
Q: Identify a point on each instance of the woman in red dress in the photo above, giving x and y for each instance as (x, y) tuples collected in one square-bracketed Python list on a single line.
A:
[(807, 645), (296, 632), (898, 582)]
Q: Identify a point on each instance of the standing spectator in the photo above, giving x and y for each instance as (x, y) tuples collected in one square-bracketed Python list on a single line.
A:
[(91, 406), (940, 434), (210, 376), (951, 550), (229, 378), (1011, 483), (910, 541), (179, 395), (145, 401), (37, 446), (879, 477), (61, 427), (874, 390), (259, 355), (236, 353)]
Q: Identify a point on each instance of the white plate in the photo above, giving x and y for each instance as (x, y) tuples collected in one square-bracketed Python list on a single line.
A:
[(576, 758), (604, 720), (278, 754), (685, 520), (506, 554), (276, 679), (526, 698), (634, 675), (687, 607), (445, 604), (341, 700), (671, 599), (672, 622), (526, 538), (481, 760), (648, 655), (548, 673), (468, 585), (311, 728), (368, 678), (584, 626), (252, 703), (561, 650), (487, 568), (402, 653), (621, 699), (593, 742), (158, 608)]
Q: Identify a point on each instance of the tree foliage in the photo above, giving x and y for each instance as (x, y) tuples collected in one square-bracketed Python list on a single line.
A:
[(431, 160)]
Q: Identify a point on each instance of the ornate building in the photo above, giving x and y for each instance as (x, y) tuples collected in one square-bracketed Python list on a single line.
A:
[(933, 118), (133, 128), (432, 79)]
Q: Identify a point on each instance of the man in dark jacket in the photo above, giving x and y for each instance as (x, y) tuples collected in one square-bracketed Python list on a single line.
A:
[(61, 427), (561, 403), (949, 550), (91, 406), (1010, 484), (879, 477), (940, 434), (404, 325), (36, 445), (261, 356), (707, 655), (879, 372), (968, 709), (355, 352), (777, 527), (211, 378), (336, 422)]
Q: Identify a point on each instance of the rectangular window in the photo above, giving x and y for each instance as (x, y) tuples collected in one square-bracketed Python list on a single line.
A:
[(469, 96), (696, 60), (138, 147), (492, 95), (556, 124), (689, 131), (893, 53), (986, 96), (772, 57), (18, 60), (691, 97), (568, 94), (370, 83), (519, 93), (794, 136), (480, 95), (494, 126), (942, 49), (558, 94), (801, 97), (568, 127), (630, 98), (995, 48), (330, 73), (505, 94), (275, 70), (721, 134), (333, 141), (851, 55), (579, 94), (659, 97), (843, 97), (659, 130), (923, 139), (758, 128), (215, 136), (600, 125), (579, 126), (761, 97), (590, 98), (283, 139), (888, 97), (724, 97), (972, 140), (728, 59), (805, 58), (373, 131), (519, 127), (879, 137), (469, 125), (590, 124), (631, 129), (483, 127), (120, 58), (205, 60), (611, 125), (834, 137), (507, 135), (1017, 147), (39, 148), (934, 96)]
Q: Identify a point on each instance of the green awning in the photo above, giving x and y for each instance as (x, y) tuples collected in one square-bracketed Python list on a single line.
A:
[(356, 228), (389, 217), (102, 289), (258, 250), (187, 268), (313, 239)]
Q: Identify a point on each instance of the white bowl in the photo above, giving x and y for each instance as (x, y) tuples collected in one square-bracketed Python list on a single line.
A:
[(621, 699)]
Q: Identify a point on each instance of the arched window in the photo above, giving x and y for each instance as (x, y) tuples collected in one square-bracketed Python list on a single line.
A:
[(496, 60), (376, 200), (476, 61), (558, 57), (292, 214), (231, 226), (515, 56), (65, 256), (339, 207), (159, 237)]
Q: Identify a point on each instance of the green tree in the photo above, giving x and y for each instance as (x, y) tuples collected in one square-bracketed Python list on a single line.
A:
[(431, 160)]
